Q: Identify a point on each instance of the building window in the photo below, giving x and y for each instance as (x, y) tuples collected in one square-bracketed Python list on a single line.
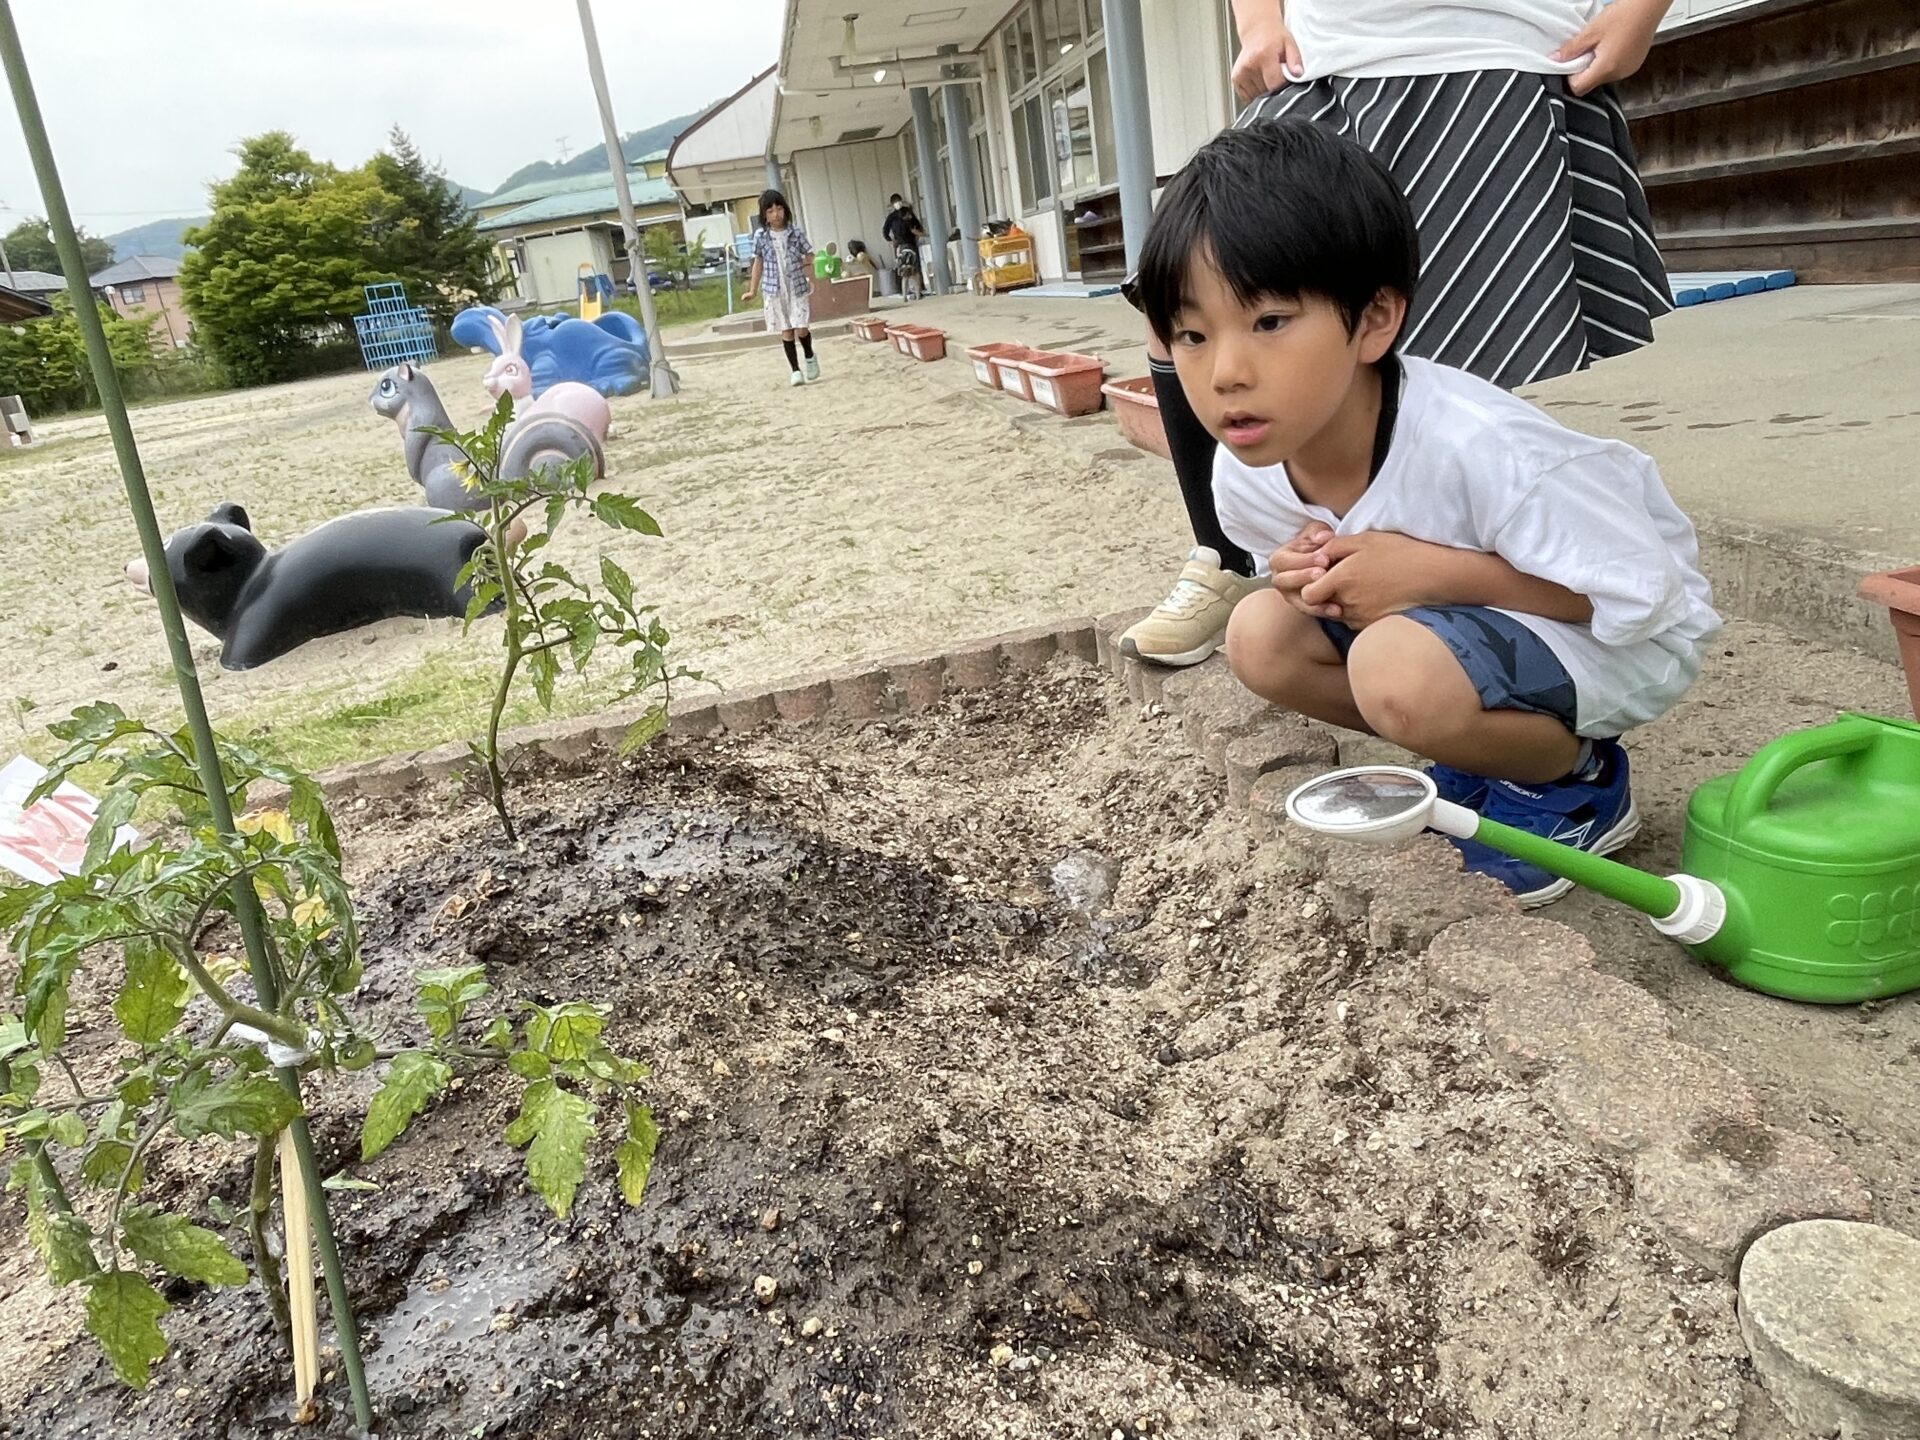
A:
[(1056, 69), (133, 295)]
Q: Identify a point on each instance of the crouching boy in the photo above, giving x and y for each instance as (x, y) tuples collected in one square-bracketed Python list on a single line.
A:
[(1451, 569)]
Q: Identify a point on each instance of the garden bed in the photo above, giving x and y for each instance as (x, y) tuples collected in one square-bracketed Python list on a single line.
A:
[(1050, 1102)]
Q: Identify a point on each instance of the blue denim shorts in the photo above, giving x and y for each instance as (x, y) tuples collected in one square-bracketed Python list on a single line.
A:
[(1511, 667)]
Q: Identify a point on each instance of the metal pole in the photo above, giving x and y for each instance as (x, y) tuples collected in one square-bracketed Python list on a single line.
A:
[(1132, 121), (773, 174), (6, 264), (664, 381), (966, 194), (206, 755), (932, 190)]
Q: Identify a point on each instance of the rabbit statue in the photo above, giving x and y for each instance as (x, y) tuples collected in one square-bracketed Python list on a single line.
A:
[(510, 374)]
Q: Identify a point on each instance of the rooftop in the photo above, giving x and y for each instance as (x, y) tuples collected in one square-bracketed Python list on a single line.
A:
[(591, 195), (133, 271), (35, 282)]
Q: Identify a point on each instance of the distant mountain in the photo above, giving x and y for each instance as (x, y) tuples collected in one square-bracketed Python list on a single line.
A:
[(156, 237), (591, 162)]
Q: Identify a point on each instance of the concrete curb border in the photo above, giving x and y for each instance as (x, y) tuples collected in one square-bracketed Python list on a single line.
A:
[(1707, 1169), (899, 684)]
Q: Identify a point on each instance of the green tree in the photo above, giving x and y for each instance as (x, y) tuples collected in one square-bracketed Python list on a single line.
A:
[(30, 247), (44, 361), (669, 254), (433, 245), (279, 265)]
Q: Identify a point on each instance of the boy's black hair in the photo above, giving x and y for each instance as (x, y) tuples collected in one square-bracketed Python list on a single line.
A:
[(770, 198), (894, 199), (1281, 208)]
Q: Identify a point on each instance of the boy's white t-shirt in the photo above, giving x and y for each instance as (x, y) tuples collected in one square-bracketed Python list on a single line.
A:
[(1475, 468), (1436, 37)]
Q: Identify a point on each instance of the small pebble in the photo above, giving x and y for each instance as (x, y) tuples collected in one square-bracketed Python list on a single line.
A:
[(813, 1326), (1001, 1356), (766, 1289), (770, 1219)]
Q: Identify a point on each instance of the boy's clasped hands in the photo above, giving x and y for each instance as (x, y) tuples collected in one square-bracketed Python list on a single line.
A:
[(1355, 579)]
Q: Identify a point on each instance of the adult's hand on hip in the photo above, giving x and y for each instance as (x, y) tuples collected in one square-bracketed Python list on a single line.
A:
[(1269, 55), (1618, 40)]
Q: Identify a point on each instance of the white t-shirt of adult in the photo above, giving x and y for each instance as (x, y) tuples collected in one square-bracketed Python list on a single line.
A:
[(1475, 468), (1435, 37)]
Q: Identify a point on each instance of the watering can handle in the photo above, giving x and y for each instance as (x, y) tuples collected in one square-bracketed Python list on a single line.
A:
[(1753, 791)]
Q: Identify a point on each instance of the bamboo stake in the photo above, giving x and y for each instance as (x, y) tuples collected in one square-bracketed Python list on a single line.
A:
[(305, 1314), (113, 406)]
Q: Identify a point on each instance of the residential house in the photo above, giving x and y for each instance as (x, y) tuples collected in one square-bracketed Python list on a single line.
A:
[(40, 285), (147, 285), (551, 232)]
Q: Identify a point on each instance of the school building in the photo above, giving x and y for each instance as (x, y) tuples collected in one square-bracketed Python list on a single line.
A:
[(1773, 133)]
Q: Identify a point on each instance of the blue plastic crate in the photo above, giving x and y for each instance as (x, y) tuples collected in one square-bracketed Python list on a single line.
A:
[(391, 330)]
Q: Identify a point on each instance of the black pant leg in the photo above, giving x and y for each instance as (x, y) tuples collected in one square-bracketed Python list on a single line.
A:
[(1193, 449)]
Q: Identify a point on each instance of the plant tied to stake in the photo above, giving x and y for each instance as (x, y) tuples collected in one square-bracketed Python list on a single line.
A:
[(152, 925)]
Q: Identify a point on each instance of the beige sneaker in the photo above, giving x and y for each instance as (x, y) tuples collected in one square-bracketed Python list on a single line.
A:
[(1191, 623)]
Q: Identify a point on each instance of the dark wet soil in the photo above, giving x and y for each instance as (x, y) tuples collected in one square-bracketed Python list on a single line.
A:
[(1048, 1108)]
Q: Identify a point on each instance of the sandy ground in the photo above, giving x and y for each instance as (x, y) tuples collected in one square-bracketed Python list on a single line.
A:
[(888, 507)]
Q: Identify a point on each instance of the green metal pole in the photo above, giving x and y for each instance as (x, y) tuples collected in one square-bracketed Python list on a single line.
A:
[(186, 676)]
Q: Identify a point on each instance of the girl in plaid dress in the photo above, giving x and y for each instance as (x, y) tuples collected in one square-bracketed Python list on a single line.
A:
[(783, 274)]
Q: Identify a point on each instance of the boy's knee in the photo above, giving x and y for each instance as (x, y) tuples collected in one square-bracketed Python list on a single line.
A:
[(1254, 631), (1407, 684)]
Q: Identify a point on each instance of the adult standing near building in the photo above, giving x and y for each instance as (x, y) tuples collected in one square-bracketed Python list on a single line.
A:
[(783, 274), (1536, 249)]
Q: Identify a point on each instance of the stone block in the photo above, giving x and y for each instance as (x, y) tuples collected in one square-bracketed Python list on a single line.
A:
[(918, 684), (1297, 849), (1273, 744), (1217, 703), (804, 702), (1030, 649), (1831, 1315), (1180, 684), (1715, 1195), (1075, 638), (693, 722), (1406, 894), (747, 710), (394, 776), (861, 694), (1145, 680), (1107, 630), (975, 668)]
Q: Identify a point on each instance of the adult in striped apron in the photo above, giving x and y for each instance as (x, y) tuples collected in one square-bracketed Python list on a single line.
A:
[(1536, 250)]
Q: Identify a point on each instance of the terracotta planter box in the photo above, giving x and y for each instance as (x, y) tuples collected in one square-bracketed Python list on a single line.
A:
[(982, 358), (1065, 382), (926, 343), (870, 327), (1899, 591), (1134, 405), (898, 335), (1006, 369)]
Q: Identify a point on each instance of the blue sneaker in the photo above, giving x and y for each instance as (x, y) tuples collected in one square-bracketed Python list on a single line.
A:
[(1597, 816), (1459, 786)]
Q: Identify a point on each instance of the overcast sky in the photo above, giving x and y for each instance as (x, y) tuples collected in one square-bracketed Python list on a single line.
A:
[(144, 99)]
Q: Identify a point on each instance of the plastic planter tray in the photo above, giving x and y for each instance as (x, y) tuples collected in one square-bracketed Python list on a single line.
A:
[(982, 357), (1006, 369), (926, 343), (1065, 382), (1137, 410), (898, 335), (870, 327)]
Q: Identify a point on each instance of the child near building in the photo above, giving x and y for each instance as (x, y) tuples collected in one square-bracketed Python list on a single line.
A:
[(783, 274), (1450, 568)]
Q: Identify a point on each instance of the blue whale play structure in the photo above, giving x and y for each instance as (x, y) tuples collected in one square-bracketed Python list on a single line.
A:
[(608, 352)]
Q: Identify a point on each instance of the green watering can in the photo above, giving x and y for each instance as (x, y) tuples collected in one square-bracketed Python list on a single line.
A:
[(1801, 872)]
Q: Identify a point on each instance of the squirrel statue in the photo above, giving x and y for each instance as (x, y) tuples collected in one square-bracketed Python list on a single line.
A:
[(406, 396)]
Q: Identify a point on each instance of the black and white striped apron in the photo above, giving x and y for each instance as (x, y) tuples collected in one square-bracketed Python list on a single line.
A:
[(1536, 249)]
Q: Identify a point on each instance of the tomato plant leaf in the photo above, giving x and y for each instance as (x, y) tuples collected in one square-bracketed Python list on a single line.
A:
[(253, 1104), (646, 728), (634, 1157), (557, 1158), (63, 1240), (180, 1248), (413, 1079), (116, 809), (123, 1314), (153, 996), (623, 513)]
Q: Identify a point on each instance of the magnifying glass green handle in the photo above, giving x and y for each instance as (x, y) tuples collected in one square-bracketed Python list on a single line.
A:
[(1649, 894)]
